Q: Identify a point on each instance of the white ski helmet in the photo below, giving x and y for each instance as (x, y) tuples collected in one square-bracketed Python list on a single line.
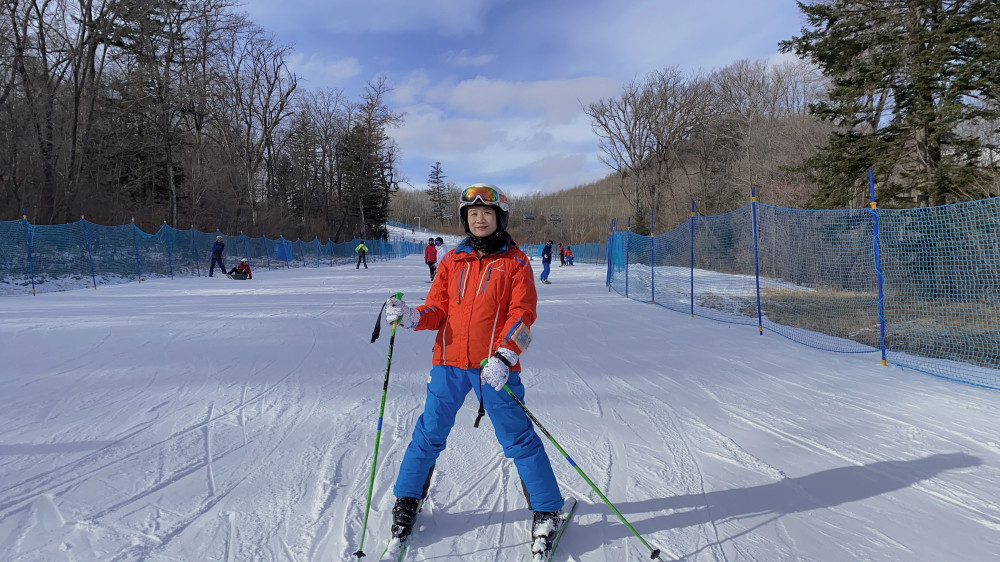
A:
[(484, 194)]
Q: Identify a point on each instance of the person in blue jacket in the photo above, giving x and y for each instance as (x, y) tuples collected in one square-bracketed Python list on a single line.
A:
[(546, 263), (217, 250)]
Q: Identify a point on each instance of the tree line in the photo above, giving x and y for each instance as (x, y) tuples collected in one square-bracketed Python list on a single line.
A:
[(182, 112), (668, 138), (906, 88)]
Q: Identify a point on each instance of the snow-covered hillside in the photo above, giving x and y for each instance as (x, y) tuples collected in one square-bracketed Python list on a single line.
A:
[(206, 419)]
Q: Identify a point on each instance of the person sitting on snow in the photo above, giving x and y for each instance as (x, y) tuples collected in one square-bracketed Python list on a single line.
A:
[(241, 271)]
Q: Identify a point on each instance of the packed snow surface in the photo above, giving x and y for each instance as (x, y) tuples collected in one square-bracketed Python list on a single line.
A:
[(207, 419)]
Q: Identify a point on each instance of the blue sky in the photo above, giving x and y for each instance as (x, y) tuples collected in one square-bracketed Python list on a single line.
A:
[(494, 89)]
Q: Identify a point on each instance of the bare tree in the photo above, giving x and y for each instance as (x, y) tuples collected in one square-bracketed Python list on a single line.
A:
[(330, 112), (625, 129), (55, 54), (259, 88), (745, 93), (200, 74), (680, 105)]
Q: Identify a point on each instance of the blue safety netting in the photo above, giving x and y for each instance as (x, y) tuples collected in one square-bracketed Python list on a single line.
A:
[(941, 269), (924, 292), (589, 252), (46, 258)]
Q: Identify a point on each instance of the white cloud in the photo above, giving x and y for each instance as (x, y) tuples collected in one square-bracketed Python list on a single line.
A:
[(520, 122), (554, 172), (448, 17), (466, 58), (410, 90), (428, 130), (625, 40), (559, 100), (321, 71)]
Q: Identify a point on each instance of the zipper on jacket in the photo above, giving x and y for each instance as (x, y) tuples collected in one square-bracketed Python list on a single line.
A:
[(461, 284), (482, 285)]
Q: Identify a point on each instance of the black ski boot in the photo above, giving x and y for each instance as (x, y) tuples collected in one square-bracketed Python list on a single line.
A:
[(544, 528), (404, 513)]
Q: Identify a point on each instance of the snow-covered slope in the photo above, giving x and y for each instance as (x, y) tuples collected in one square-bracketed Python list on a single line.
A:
[(208, 419)]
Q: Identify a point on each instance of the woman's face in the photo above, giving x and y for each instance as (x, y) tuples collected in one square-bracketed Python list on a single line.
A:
[(482, 221)]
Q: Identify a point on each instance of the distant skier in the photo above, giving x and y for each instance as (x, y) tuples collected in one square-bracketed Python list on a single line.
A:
[(569, 255), (217, 248), (442, 249), (546, 263), (562, 255), (430, 256), (361, 250), (481, 306)]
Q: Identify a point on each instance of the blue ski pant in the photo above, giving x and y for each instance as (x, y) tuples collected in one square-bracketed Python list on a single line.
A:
[(216, 260), (545, 271), (446, 392)]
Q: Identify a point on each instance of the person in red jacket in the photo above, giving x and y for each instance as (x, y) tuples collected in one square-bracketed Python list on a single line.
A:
[(482, 305), (569, 255), (241, 270), (430, 257)]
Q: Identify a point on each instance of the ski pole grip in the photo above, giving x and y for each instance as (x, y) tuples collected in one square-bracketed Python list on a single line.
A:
[(483, 362), (398, 295)]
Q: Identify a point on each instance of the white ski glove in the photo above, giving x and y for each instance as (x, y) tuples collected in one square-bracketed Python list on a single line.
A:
[(397, 310), (495, 371)]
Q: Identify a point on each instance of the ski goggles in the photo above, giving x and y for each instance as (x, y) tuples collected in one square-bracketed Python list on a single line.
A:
[(484, 194)]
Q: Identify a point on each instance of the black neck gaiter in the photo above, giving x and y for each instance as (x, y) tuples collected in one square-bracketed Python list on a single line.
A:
[(491, 243)]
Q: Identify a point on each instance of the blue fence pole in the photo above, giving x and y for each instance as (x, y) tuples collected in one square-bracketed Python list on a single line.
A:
[(692, 258), (194, 252), (878, 263), (318, 249), (756, 259), (267, 254), (243, 240), (170, 257), (27, 243), (628, 234), (652, 260), (90, 255), (608, 252), (135, 244)]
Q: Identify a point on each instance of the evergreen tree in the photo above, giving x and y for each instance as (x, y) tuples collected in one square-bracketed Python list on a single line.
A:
[(908, 79), (438, 193), (366, 164)]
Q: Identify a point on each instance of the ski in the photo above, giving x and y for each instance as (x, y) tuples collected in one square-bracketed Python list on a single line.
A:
[(395, 551), (564, 517)]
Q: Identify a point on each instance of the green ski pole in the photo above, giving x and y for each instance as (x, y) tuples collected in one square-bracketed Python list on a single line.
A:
[(381, 413), (654, 552)]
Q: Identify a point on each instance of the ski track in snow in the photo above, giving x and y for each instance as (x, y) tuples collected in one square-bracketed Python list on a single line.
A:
[(206, 419)]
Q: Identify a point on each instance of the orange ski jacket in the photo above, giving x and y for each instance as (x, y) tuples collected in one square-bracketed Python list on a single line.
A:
[(478, 304)]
